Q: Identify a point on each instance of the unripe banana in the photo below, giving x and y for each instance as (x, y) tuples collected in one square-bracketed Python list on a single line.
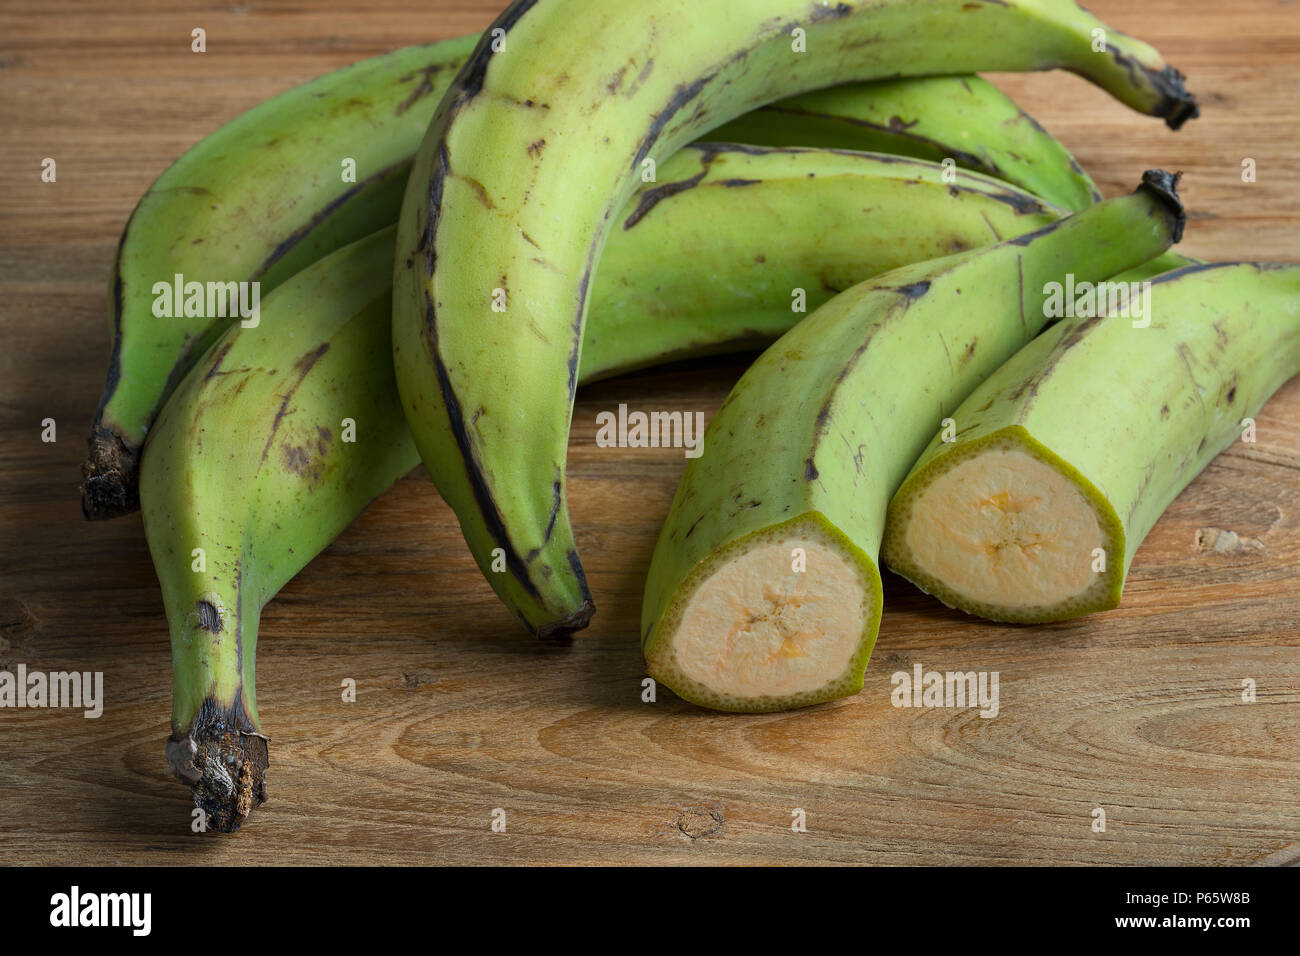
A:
[(266, 195), (251, 469), (1065, 457), (538, 144), (256, 201), (964, 119), (763, 592)]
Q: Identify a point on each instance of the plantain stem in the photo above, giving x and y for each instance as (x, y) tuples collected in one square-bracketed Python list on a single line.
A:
[(109, 476), (224, 760)]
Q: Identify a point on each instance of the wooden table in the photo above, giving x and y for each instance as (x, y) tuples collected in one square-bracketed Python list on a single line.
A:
[(1137, 711)]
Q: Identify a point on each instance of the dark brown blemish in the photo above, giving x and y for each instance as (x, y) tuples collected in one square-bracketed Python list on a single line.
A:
[(616, 81), (480, 190), (535, 148), (422, 89), (641, 78), (968, 354), (682, 95), (474, 71), (837, 12), (217, 359), (550, 523), (296, 460), (303, 365), (652, 197), (209, 619)]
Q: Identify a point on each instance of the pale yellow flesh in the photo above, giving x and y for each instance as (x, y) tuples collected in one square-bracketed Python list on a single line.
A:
[(758, 628), (1006, 529)]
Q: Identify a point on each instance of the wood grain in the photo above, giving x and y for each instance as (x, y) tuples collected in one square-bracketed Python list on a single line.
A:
[(1137, 711)]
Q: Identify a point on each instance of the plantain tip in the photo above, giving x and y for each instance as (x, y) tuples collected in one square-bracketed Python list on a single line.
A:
[(1177, 105), (565, 627), (1164, 185), (224, 765), (109, 476)]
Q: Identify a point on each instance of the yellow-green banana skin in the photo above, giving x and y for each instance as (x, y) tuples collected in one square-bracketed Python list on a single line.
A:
[(247, 464), (258, 200), (251, 460), (194, 220), (284, 158), (710, 257), (538, 144), (820, 431), (965, 119), (1129, 415)]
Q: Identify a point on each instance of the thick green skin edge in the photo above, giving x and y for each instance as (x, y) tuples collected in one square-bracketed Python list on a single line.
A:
[(937, 458), (1105, 598), (945, 456), (846, 685)]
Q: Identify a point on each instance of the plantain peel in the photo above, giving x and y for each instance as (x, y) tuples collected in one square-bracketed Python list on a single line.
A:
[(251, 462), (1066, 456), (764, 591), (558, 115), (194, 220)]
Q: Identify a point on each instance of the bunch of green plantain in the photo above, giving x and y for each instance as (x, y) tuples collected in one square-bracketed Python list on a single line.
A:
[(396, 263)]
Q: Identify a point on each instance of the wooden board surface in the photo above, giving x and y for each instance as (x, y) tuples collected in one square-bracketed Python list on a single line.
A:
[(1137, 711)]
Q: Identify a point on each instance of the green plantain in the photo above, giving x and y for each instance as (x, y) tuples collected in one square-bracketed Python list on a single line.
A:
[(763, 592), (250, 460), (265, 196), (1063, 459), (539, 142)]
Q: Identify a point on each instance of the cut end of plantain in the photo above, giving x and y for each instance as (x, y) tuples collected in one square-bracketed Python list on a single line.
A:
[(1003, 528), (224, 765), (783, 618)]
